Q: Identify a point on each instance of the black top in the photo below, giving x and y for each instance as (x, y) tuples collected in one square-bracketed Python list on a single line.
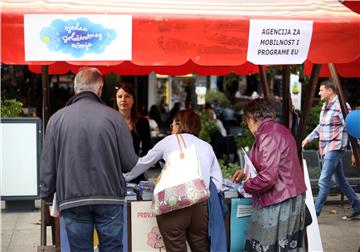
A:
[(141, 141), (141, 138)]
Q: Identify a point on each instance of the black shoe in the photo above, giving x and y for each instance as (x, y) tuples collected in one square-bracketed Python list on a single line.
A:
[(351, 215)]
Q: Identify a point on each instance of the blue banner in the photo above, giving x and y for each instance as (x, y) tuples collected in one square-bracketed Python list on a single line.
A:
[(240, 215), (77, 37)]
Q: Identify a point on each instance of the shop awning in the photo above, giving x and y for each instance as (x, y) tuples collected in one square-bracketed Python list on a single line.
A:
[(179, 37)]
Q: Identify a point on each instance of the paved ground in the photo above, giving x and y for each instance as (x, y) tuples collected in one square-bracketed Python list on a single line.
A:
[(21, 233)]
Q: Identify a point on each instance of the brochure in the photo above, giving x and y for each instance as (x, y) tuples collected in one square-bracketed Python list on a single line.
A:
[(249, 168)]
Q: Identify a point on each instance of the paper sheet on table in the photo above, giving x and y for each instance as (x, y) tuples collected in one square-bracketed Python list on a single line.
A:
[(249, 168)]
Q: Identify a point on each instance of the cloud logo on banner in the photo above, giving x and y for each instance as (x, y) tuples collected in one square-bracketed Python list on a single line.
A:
[(77, 37)]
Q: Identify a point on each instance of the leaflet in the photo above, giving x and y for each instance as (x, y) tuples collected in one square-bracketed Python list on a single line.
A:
[(249, 168)]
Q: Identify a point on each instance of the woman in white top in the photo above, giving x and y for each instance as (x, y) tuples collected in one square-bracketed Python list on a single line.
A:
[(190, 223)]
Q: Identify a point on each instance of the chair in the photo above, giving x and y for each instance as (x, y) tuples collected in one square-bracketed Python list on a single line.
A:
[(314, 167), (351, 173), (224, 147)]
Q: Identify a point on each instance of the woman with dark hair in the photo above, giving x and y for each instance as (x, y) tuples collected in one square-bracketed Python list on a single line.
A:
[(277, 222), (139, 126), (191, 223)]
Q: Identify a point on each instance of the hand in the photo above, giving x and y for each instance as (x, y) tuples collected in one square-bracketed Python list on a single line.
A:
[(353, 161), (238, 176), (304, 142)]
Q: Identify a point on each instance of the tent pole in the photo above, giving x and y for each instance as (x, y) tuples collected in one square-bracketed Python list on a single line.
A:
[(285, 94), (264, 82), (344, 110), (45, 117), (309, 97), (45, 94)]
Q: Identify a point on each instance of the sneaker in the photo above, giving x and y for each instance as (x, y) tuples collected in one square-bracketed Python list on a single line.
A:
[(351, 215)]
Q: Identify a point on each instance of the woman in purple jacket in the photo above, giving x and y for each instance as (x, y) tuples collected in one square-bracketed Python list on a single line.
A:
[(278, 190)]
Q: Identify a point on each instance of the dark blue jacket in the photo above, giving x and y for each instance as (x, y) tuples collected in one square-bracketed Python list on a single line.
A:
[(216, 226)]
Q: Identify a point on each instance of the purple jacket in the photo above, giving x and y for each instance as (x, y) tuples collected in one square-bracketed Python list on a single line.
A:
[(274, 155)]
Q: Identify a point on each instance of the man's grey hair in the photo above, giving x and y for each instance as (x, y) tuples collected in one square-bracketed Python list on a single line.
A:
[(88, 79)]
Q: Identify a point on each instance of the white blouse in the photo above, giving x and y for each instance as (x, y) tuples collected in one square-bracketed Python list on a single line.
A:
[(209, 165)]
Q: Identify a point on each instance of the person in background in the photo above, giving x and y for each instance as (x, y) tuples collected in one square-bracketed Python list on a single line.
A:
[(175, 109), (277, 104), (86, 151), (139, 126), (154, 127), (155, 114), (189, 105), (164, 114), (293, 115), (293, 119), (333, 140), (190, 223), (278, 189), (212, 117)]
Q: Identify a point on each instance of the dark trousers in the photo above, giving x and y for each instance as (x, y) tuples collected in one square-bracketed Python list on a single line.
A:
[(80, 223), (189, 224)]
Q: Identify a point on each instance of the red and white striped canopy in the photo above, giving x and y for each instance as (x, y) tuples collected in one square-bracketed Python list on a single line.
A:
[(183, 36)]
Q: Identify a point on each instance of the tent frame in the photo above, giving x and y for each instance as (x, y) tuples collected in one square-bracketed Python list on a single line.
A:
[(311, 90)]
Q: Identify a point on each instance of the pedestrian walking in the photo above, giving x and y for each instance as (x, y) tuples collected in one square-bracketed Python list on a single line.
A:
[(333, 140)]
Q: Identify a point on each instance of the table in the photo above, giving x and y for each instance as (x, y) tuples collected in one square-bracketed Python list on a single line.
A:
[(142, 234)]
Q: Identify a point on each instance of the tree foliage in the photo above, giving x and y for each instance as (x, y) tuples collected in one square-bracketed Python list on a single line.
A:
[(214, 96), (11, 108)]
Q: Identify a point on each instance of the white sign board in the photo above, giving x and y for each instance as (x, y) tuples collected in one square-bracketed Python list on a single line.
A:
[(279, 41), (77, 37), (200, 93), (295, 91), (313, 231), (19, 158)]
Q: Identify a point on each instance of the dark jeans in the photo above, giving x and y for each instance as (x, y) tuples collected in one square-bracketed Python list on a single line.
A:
[(80, 223)]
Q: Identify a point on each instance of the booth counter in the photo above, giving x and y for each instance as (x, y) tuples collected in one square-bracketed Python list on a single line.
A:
[(141, 232)]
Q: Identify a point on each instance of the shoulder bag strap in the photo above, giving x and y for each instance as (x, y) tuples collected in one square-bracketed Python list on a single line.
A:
[(183, 141), (181, 152)]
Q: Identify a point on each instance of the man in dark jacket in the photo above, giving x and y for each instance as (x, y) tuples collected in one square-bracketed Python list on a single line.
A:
[(87, 147)]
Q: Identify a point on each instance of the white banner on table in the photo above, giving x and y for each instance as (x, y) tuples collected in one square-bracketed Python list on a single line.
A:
[(279, 41), (313, 231), (145, 234), (77, 37)]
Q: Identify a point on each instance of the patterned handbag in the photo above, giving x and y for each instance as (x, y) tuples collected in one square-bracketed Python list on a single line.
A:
[(179, 184)]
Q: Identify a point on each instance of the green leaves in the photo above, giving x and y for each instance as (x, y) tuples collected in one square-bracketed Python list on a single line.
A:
[(229, 169), (11, 108), (207, 126), (246, 140), (217, 97)]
